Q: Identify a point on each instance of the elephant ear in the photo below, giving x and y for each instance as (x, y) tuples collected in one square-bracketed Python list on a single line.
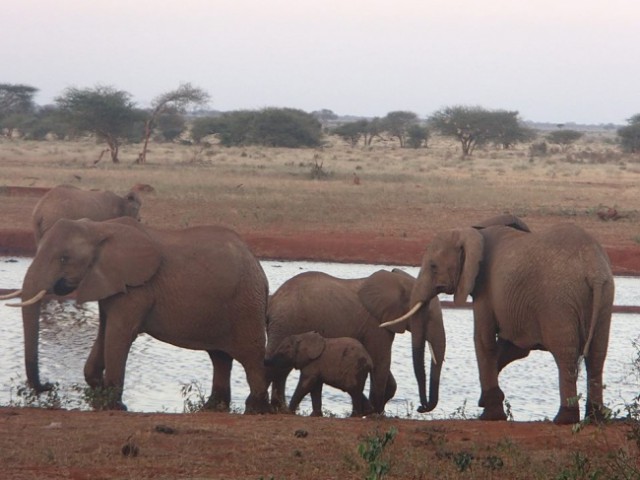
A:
[(385, 295), (310, 346), (471, 244), (126, 256)]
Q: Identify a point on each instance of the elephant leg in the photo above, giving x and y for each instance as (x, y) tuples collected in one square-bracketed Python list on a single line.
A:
[(492, 397), (379, 378), (594, 363), (220, 399), (508, 352), (94, 366), (278, 379), (567, 363), (118, 339), (359, 401), (391, 388), (316, 400), (305, 385), (258, 399)]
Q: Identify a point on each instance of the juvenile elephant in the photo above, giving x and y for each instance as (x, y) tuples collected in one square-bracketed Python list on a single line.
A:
[(548, 291), (340, 362), (199, 288), (67, 201), (355, 308)]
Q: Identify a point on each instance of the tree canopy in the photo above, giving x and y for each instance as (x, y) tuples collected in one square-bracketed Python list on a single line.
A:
[(474, 126), (564, 137), (108, 113), (270, 127), (172, 103), (629, 135), (16, 105)]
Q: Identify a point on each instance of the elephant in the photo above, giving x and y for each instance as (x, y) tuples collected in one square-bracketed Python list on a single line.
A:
[(552, 290), (67, 201), (355, 308), (199, 288), (340, 362)]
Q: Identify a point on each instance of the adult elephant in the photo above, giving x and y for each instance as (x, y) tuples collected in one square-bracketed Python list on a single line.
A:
[(355, 308), (551, 290), (67, 201), (199, 288)]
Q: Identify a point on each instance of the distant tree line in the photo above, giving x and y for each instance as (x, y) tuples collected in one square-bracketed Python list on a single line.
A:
[(113, 118)]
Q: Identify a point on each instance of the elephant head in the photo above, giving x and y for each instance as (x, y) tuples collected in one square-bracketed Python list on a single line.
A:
[(386, 295), (298, 350), (93, 259)]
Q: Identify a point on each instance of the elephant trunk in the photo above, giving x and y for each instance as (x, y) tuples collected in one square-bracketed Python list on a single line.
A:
[(31, 326), (428, 328)]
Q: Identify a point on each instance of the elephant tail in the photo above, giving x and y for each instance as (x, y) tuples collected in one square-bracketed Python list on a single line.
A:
[(596, 307)]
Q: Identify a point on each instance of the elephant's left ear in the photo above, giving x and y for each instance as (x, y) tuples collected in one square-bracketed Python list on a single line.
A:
[(385, 295), (126, 256), (471, 244)]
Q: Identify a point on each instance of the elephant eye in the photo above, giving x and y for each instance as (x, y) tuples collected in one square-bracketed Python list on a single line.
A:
[(433, 267), (64, 259)]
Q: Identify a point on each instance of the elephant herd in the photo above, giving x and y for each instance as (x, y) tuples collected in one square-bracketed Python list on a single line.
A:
[(202, 288)]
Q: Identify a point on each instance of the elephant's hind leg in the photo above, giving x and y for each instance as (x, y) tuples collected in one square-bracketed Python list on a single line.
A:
[(220, 398)]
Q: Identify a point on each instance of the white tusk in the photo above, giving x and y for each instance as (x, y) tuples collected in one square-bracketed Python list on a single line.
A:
[(31, 301), (11, 295), (433, 355), (415, 308)]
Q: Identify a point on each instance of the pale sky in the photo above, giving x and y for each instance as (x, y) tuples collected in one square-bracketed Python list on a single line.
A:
[(552, 60)]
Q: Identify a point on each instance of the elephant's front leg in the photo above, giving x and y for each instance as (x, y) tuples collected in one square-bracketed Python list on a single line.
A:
[(220, 398), (305, 385), (492, 397), (94, 367), (378, 393), (119, 335)]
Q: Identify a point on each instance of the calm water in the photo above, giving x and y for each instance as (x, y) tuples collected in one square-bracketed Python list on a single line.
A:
[(156, 371)]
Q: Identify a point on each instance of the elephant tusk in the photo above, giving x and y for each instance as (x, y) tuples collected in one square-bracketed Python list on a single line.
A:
[(15, 294), (31, 301), (415, 308), (433, 355)]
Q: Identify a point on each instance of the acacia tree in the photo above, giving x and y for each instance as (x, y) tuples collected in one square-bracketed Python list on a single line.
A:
[(474, 126), (16, 104), (630, 135), (398, 123), (104, 111), (565, 138), (176, 101)]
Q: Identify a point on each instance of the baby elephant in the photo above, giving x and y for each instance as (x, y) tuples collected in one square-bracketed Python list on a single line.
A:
[(340, 362)]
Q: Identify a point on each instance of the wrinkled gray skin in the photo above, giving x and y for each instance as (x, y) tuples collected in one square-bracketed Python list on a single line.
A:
[(199, 288), (355, 308), (67, 201), (551, 290), (340, 362)]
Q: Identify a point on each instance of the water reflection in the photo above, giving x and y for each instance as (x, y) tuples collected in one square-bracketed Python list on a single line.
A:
[(156, 371)]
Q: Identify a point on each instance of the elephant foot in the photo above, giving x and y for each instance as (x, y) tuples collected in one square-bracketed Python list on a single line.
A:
[(257, 404), (492, 400), (316, 413), (215, 405), (567, 415), (43, 387), (597, 413)]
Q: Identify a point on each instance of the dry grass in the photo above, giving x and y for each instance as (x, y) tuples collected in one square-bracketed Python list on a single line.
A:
[(271, 189)]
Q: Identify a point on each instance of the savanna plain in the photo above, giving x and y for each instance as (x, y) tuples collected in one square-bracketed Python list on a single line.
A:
[(379, 204)]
